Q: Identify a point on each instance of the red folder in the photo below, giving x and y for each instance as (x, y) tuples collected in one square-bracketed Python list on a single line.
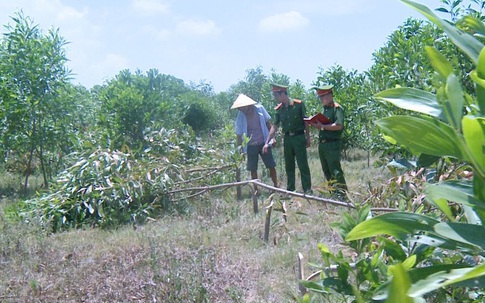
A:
[(318, 118)]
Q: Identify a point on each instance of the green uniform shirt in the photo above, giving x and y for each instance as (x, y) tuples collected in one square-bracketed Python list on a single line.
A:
[(291, 118), (336, 114)]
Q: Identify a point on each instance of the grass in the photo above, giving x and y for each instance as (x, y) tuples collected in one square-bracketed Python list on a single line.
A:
[(215, 253)]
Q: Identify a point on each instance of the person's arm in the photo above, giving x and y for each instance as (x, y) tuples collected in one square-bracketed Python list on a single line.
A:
[(335, 126), (271, 134), (307, 125), (307, 134), (239, 143), (330, 127), (268, 125)]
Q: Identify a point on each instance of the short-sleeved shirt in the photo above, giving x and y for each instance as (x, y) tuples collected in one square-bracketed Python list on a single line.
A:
[(336, 114), (291, 118), (241, 123)]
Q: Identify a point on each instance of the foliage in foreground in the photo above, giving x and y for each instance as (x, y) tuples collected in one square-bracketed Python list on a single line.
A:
[(435, 253)]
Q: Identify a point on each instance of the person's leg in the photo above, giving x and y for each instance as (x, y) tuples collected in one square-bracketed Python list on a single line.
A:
[(252, 165), (254, 174), (252, 158), (322, 153), (274, 178), (270, 163), (335, 167), (302, 161), (289, 156)]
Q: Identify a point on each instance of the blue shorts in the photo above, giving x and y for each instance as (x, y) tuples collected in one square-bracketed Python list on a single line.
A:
[(254, 151)]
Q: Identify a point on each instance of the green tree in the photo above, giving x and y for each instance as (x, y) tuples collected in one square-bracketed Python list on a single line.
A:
[(134, 103), (255, 85), (34, 79), (201, 112), (458, 9), (402, 61)]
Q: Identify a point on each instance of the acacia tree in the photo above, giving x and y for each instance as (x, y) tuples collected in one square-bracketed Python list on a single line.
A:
[(131, 103), (33, 77)]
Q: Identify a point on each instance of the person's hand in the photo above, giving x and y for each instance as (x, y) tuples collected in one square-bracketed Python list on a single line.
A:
[(317, 124), (265, 148), (308, 141)]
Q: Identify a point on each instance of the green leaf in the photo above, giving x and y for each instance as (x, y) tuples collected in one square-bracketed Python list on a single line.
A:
[(425, 160), (443, 205), (479, 78), (479, 187), (473, 24), (439, 62), (392, 248), (422, 135), (466, 42), (455, 191), (409, 262), (453, 106), (413, 99), (434, 277), (480, 87), (315, 286), (400, 284), (470, 234), (398, 224), (434, 241), (474, 134)]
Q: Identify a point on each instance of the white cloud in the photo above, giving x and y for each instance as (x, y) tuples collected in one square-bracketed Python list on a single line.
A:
[(115, 61), (159, 34), (69, 14), (150, 7), (283, 22), (199, 28), (47, 13), (101, 70)]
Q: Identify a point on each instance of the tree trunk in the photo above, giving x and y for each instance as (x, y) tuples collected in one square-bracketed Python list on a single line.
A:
[(42, 165), (28, 170)]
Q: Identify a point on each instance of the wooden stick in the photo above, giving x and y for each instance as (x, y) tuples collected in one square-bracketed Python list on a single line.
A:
[(301, 274), (279, 190), (267, 223)]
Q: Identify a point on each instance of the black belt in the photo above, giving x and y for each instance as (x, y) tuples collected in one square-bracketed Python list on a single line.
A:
[(298, 132), (329, 140)]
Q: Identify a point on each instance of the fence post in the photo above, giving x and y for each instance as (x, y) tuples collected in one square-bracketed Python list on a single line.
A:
[(238, 188), (301, 274), (268, 222), (255, 199)]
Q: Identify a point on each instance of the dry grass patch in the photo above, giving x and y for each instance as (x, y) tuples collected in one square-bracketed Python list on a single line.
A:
[(214, 253)]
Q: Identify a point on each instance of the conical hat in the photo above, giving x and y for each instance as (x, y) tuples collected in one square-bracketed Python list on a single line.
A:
[(242, 100)]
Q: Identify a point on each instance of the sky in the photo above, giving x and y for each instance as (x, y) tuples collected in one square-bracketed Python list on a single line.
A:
[(215, 41)]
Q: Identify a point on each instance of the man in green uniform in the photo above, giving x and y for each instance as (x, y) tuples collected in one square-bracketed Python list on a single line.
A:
[(289, 115), (329, 139)]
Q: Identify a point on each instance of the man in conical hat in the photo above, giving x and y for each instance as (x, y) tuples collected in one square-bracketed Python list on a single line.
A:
[(253, 121)]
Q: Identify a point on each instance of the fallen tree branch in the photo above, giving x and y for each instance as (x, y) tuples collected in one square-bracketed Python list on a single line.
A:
[(276, 189), (208, 168)]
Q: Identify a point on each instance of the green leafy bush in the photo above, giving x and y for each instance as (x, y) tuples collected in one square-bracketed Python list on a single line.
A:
[(433, 254), (105, 188), (109, 188)]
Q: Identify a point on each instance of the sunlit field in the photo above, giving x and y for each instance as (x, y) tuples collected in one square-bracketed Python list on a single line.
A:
[(214, 253)]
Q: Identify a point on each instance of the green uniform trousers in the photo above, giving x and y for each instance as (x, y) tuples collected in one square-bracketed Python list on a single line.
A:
[(295, 147), (329, 153)]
